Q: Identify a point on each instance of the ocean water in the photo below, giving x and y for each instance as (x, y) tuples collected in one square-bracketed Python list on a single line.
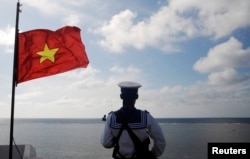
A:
[(80, 138)]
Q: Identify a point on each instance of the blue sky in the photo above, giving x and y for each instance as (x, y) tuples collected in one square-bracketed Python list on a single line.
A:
[(191, 57)]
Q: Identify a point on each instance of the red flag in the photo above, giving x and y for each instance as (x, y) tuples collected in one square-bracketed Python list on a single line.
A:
[(45, 52)]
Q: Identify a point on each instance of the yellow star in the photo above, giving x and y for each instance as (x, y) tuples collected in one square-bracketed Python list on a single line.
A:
[(47, 53)]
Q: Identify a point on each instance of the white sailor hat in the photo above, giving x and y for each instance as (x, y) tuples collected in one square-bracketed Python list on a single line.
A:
[(129, 87)]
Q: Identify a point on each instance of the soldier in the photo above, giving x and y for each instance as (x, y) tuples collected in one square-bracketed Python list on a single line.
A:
[(128, 129)]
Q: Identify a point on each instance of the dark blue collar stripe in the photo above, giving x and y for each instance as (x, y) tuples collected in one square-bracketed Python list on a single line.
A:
[(142, 124)]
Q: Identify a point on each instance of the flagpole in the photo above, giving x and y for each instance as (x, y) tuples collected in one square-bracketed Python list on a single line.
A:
[(14, 83)]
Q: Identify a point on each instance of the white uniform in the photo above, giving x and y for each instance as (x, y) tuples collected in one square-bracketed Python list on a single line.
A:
[(143, 126)]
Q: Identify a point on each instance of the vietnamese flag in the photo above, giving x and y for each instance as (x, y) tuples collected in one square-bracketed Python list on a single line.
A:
[(44, 52)]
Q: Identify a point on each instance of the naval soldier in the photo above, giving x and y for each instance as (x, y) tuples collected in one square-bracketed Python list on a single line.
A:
[(129, 130)]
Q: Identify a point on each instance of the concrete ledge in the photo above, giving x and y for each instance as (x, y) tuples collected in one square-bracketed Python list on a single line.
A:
[(26, 151)]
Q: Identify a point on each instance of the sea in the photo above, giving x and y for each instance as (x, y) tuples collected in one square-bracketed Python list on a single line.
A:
[(187, 138)]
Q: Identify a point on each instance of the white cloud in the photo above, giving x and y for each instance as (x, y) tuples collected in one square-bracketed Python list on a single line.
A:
[(121, 32), (200, 99), (87, 83), (63, 9), (129, 69), (93, 97), (7, 36), (222, 61), (229, 76), (115, 31), (72, 19), (229, 54), (47, 7), (81, 73), (174, 23), (28, 95), (175, 89), (217, 18)]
